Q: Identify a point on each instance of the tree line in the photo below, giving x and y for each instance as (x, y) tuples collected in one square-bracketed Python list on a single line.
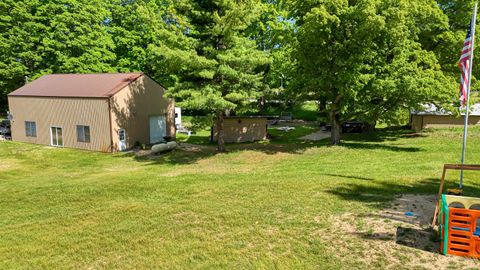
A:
[(368, 60)]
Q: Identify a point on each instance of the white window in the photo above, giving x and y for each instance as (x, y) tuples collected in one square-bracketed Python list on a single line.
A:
[(83, 134), (121, 134), (30, 129), (122, 143), (56, 136)]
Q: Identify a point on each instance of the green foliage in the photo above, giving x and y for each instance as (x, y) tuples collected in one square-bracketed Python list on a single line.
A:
[(274, 34), (141, 29), (197, 123), (218, 71), (38, 37), (364, 59), (79, 36), (307, 111), (367, 59), (405, 74)]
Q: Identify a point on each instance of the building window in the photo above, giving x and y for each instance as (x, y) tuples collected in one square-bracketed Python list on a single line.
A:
[(83, 134), (121, 134), (30, 129)]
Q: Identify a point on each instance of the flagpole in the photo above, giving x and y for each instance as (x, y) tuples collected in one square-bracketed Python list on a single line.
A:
[(467, 109)]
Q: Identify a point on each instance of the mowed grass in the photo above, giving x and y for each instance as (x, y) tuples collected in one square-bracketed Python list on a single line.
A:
[(258, 206)]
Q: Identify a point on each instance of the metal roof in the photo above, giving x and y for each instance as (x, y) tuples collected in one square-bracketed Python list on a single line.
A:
[(430, 109), (100, 85)]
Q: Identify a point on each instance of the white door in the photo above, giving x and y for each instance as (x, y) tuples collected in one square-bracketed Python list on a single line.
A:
[(178, 117), (158, 128), (56, 136), (122, 140)]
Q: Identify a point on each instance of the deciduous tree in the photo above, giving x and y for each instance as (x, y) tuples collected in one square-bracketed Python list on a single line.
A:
[(364, 60)]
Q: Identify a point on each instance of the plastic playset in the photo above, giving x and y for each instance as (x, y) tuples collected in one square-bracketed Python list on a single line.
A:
[(459, 225), (458, 218)]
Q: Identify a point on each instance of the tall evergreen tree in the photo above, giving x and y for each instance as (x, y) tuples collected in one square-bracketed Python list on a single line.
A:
[(220, 70)]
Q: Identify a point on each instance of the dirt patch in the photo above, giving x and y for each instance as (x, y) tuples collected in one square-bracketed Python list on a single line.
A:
[(397, 237), (316, 136), (195, 147)]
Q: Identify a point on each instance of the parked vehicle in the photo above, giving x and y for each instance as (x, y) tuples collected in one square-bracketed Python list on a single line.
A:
[(5, 128), (352, 127)]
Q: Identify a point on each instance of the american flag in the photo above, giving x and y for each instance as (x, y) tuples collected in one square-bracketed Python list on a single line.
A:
[(465, 64)]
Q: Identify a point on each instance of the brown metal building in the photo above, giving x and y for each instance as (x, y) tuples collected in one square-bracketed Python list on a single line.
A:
[(102, 112), (242, 129), (419, 121)]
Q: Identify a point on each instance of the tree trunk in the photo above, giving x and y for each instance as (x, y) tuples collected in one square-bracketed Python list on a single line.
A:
[(370, 127), (322, 106), (261, 104), (220, 132), (262, 100), (336, 127), (322, 111)]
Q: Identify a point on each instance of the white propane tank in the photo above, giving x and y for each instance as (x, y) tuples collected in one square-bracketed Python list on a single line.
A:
[(171, 145), (158, 148)]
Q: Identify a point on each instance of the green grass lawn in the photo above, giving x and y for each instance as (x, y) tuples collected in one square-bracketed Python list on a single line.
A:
[(258, 206), (199, 137), (291, 136)]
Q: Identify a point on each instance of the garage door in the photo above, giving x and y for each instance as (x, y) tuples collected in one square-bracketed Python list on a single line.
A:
[(158, 128)]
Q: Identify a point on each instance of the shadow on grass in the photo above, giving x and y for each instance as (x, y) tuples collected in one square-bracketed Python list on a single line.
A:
[(383, 135), (198, 139), (422, 239), (350, 176), (385, 191), (172, 157), (375, 236), (374, 146), (374, 141)]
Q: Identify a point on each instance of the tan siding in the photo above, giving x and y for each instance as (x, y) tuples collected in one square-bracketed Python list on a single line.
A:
[(132, 106), (441, 121), (416, 122), (243, 130), (65, 113)]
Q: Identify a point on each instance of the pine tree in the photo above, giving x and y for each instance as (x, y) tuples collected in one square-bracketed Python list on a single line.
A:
[(219, 69)]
